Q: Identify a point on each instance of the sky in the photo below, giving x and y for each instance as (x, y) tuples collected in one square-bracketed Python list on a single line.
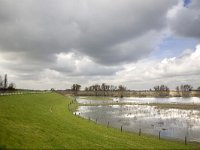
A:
[(137, 43)]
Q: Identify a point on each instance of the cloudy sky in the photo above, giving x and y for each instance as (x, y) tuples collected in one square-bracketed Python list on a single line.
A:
[(137, 43)]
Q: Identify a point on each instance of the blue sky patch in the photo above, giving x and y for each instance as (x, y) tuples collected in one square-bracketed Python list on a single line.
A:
[(172, 47), (186, 3)]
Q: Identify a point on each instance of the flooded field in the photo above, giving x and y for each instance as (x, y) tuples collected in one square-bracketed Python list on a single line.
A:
[(171, 123), (172, 100)]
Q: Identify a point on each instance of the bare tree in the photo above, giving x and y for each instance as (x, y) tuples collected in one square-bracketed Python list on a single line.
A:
[(156, 88), (75, 88), (96, 88), (186, 90), (107, 87), (5, 81), (86, 89), (161, 90), (11, 86), (103, 88), (1, 83), (121, 90), (90, 88), (177, 89), (112, 89)]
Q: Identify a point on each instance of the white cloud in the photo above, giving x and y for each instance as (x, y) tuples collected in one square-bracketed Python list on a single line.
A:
[(171, 71), (172, 13), (143, 74)]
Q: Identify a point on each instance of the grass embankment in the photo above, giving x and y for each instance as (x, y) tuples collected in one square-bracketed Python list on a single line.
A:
[(42, 121)]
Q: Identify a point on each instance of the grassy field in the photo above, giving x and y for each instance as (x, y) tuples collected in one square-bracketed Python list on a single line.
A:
[(42, 121)]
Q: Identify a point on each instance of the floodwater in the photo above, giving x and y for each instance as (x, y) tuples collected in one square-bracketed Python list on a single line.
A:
[(175, 100), (171, 123)]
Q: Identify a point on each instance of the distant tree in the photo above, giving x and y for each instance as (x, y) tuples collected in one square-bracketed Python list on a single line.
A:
[(11, 86), (5, 81), (90, 88), (96, 88), (103, 88), (107, 87), (198, 88), (156, 88), (86, 89), (161, 90), (121, 90), (164, 88), (177, 89), (186, 90), (1, 83), (75, 88), (112, 89)]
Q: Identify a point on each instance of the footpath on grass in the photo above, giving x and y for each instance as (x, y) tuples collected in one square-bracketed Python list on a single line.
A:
[(43, 121)]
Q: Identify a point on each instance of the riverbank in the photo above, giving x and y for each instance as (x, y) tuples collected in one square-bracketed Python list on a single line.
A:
[(42, 121)]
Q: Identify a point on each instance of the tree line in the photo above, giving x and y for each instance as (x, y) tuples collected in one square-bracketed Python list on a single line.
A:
[(111, 90), (182, 90), (103, 89), (4, 85)]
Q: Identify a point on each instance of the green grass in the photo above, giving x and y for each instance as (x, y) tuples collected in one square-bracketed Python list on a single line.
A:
[(96, 98), (42, 121)]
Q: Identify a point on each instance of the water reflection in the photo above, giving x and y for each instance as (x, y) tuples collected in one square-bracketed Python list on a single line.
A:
[(173, 123), (177, 100)]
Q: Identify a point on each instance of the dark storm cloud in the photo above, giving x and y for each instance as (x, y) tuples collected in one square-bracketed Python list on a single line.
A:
[(46, 42), (99, 29)]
